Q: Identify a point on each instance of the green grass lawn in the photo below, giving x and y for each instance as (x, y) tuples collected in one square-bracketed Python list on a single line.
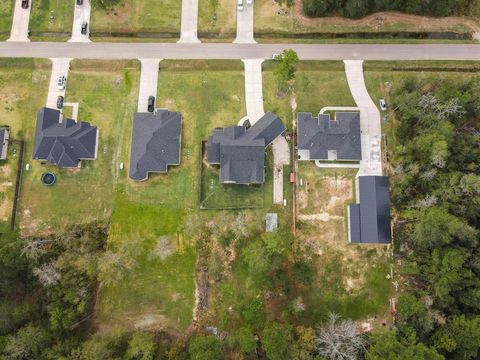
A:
[(137, 16), (23, 89), (6, 16), (217, 22), (107, 99), (317, 84), (160, 293), (51, 16)]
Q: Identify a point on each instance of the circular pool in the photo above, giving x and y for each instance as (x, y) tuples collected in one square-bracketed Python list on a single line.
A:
[(48, 178)]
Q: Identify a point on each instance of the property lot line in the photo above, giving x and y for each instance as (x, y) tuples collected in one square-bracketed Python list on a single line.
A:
[(239, 51)]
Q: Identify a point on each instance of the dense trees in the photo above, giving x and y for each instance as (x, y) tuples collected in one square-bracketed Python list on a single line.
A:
[(360, 8), (435, 192)]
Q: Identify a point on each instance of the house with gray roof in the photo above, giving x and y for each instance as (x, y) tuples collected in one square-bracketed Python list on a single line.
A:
[(323, 138), (156, 143), (63, 142), (240, 152), (4, 137), (369, 220)]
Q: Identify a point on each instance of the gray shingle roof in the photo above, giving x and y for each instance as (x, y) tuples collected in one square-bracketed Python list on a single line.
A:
[(156, 139), (370, 220), (63, 143), (319, 134), (241, 152)]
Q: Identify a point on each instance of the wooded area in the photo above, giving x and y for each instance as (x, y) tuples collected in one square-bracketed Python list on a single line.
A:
[(360, 8)]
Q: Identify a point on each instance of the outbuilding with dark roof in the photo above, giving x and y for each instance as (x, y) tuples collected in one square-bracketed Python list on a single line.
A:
[(156, 143), (4, 137), (369, 220), (321, 138), (63, 142), (240, 152)]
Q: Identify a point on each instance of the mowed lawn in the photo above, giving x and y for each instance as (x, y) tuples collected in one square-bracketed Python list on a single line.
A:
[(317, 84), (23, 88), (159, 291), (133, 16), (107, 96), (6, 17), (51, 16), (217, 21)]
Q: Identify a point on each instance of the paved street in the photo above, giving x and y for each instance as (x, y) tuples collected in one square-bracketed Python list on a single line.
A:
[(188, 30), (370, 123), (21, 18), (148, 82), (81, 14), (245, 25), (239, 51), (60, 66)]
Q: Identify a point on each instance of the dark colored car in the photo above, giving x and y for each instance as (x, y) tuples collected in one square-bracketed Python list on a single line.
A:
[(60, 102), (84, 28), (24, 4), (79, 2), (151, 103)]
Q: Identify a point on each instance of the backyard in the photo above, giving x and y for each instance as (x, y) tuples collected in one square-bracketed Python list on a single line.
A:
[(51, 16), (273, 20), (217, 19), (349, 280), (6, 15), (138, 16)]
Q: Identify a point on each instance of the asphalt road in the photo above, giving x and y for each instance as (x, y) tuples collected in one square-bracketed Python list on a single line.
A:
[(100, 50)]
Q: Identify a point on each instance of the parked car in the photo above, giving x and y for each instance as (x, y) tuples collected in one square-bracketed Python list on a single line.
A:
[(24, 4), (60, 102), (84, 28), (249, 2), (79, 2), (62, 82), (240, 5), (383, 105), (151, 103)]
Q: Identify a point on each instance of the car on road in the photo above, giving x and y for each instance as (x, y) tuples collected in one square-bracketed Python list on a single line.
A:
[(59, 102), (151, 103), (79, 2), (62, 82), (24, 4), (84, 28), (276, 56), (249, 2), (240, 5), (383, 105)]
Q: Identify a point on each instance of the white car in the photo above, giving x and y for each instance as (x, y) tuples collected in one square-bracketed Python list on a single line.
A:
[(240, 5), (383, 105), (62, 82), (276, 56), (249, 2)]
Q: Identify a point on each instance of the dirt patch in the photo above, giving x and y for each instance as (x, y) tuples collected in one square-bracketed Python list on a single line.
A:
[(151, 322), (6, 171), (5, 209)]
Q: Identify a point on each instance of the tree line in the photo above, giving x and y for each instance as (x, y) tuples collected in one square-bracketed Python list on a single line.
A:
[(360, 8)]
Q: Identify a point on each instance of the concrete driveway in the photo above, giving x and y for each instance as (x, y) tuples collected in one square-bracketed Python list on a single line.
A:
[(254, 102), (370, 123), (21, 17), (81, 14), (60, 66), (148, 82), (245, 25), (188, 29)]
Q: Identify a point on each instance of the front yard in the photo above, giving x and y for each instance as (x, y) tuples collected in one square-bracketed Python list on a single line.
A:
[(130, 17), (51, 16), (6, 16), (217, 19)]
